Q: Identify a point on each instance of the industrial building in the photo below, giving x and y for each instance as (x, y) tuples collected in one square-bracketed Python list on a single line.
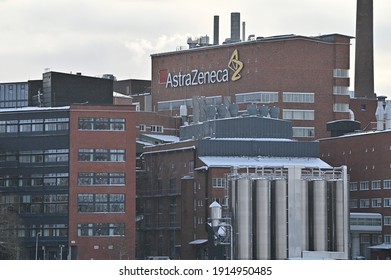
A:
[(306, 77), (366, 155), (241, 163)]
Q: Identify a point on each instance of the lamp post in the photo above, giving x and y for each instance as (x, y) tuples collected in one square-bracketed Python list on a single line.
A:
[(36, 245), (61, 246)]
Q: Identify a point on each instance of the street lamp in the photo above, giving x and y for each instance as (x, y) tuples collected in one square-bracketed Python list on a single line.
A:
[(61, 246), (36, 245)]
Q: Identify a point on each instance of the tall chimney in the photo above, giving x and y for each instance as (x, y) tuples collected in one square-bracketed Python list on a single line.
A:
[(216, 30), (243, 31), (235, 27), (364, 78)]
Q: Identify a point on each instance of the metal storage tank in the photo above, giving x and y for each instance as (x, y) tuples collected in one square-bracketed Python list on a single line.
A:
[(262, 219), (244, 219), (320, 215), (304, 216), (339, 209), (281, 226)]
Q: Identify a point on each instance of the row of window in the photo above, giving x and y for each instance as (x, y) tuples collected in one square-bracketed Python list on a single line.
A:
[(35, 204), (101, 178), (154, 128), (176, 104), (38, 156), (98, 203), (374, 185), (112, 155), (46, 230), (34, 125), (101, 229), (370, 221), (111, 124), (373, 203), (35, 180)]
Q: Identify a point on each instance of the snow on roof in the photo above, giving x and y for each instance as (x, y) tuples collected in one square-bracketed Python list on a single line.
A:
[(163, 137), (256, 139), (215, 161), (24, 109), (117, 94)]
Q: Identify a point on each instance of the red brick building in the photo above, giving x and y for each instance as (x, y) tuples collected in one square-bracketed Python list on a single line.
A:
[(368, 159), (102, 190), (306, 77)]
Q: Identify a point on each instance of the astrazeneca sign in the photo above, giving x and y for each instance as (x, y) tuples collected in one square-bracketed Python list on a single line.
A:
[(197, 77)]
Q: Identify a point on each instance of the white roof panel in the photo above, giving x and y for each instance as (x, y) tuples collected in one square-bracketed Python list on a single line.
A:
[(215, 161)]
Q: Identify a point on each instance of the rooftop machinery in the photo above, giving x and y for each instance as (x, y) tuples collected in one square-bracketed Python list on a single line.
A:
[(289, 212)]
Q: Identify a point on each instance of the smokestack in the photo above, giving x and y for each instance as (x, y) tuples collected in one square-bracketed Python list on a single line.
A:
[(216, 30), (243, 31), (235, 27), (364, 78)]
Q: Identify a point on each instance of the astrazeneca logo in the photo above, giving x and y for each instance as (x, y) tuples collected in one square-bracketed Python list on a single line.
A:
[(197, 77)]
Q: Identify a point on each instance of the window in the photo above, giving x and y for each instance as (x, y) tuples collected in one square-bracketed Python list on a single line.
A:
[(387, 184), (353, 186), (387, 220), (112, 155), (364, 186), (387, 238), (218, 182), (340, 90), (288, 114), (341, 73), (298, 97), (340, 107), (101, 178), (353, 203), (387, 202), (303, 131), (98, 203), (261, 97), (364, 203), (157, 128), (113, 124), (376, 202), (142, 127), (101, 229), (376, 185)]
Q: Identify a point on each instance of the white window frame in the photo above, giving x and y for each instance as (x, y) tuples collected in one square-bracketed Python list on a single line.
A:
[(298, 97), (364, 186), (157, 128), (353, 186), (387, 221), (376, 185), (386, 202), (303, 131), (295, 114), (387, 184), (364, 203), (376, 202)]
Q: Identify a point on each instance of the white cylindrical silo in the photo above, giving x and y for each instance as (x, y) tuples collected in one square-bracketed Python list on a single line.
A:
[(281, 226), (320, 215), (262, 219), (387, 114), (304, 216), (339, 209), (379, 114), (244, 219)]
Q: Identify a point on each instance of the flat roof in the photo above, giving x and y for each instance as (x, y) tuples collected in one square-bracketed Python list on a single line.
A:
[(222, 161)]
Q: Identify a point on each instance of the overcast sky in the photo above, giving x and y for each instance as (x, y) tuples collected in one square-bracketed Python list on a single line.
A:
[(118, 36)]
